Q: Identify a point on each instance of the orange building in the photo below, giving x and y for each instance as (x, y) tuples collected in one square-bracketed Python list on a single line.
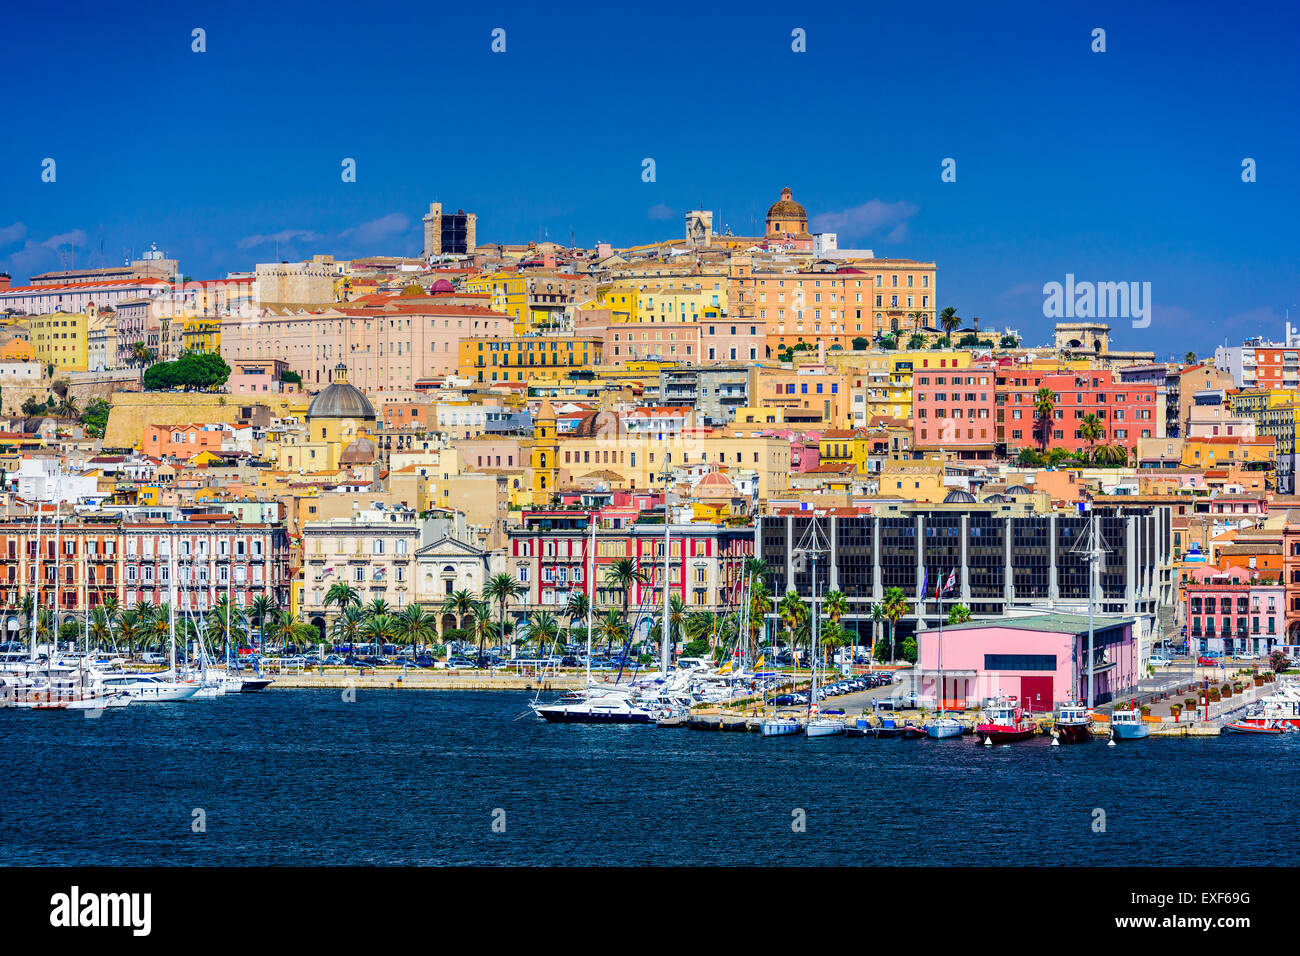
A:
[(180, 441)]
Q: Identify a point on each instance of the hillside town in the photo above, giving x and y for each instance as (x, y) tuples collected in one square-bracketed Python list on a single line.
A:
[(481, 449)]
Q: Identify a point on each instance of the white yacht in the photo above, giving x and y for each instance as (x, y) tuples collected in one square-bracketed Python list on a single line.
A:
[(151, 688), (605, 709)]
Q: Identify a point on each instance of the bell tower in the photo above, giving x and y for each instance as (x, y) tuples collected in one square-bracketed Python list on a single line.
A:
[(545, 454)]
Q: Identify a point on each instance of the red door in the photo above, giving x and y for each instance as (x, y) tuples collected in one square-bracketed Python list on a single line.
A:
[(1036, 693)]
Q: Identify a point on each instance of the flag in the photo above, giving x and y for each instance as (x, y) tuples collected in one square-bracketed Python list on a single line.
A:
[(758, 664), (925, 583), (951, 582)]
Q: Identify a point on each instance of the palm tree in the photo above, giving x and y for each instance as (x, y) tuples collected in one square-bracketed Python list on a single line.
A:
[(415, 625), (346, 628), (342, 594), (760, 606), (1044, 405), (918, 318), (502, 588), (950, 322), (792, 610), (877, 619), (1112, 454), (622, 574), (544, 628), (458, 603), (260, 608), (895, 606), (481, 621), (959, 614), (577, 608), (215, 625), (128, 629), (676, 620), (836, 605), (1189, 358), (378, 607), (610, 627), (831, 638), (381, 629), (101, 625), (1090, 430)]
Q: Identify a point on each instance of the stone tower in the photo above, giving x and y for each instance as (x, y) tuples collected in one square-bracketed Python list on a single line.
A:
[(433, 230)]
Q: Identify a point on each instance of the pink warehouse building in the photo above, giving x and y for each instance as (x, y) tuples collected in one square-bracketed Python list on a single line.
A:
[(1039, 659)]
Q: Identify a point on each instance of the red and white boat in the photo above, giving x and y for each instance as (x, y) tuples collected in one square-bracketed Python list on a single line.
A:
[(1004, 723), (1279, 710)]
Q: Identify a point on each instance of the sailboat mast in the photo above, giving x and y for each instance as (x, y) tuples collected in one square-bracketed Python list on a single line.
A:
[(1092, 572), (36, 584), (663, 638), (591, 588), (58, 588), (171, 599)]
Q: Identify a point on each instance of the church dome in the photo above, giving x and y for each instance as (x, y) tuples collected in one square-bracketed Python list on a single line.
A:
[(442, 285), (360, 451), (341, 400), (786, 208), (958, 497)]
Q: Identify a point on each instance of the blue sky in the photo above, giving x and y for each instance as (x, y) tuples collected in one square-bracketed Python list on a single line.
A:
[(1115, 166)]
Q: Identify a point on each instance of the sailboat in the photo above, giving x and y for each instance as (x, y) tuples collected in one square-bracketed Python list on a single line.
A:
[(943, 726), (814, 546), (595, 705)]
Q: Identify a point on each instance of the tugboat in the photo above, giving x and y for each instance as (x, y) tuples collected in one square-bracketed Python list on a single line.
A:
[(1073, 724), (1128, 725), (1005, 723)]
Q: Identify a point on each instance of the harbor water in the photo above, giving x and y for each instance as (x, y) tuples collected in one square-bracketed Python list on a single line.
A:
[(291, 777)]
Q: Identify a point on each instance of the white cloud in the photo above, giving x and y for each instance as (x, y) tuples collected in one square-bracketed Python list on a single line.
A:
[(283, 237), (872, 217), (11, 234), (377, 230), (661, 211)]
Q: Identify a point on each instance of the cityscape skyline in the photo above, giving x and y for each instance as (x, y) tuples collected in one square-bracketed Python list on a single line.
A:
[(1110, 137)]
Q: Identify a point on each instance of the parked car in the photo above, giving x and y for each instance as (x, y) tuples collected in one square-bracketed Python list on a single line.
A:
[(1159, 660), (1208, 660), (153, 657)]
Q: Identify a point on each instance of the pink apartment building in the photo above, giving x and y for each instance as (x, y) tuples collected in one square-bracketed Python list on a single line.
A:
[(955, 410), (386, 346)]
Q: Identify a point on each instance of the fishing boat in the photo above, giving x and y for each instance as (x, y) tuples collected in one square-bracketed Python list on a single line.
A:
[(944, 727), (1005, 723), (1128, 725), (912, 732), (1073, 724)]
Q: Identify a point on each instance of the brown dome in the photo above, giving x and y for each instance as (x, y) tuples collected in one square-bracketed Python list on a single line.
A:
[(361, 451), (787, 208)]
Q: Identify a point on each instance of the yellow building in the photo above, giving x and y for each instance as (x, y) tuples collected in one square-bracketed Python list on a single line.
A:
[(544, 455), (527, 358), (913, 480), (663, 301), (845, 447), (61, 339), (1222, 451), (201, 335), (340, 422)]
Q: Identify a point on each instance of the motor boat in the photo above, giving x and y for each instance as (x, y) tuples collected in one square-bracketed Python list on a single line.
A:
[(607, 709), (1242, 727), (1128, 725), (151, 688), (1005, 723), (779, 726), (942, 728), (1073, 724)]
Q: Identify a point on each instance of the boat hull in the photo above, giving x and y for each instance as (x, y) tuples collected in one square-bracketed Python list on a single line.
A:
[(997, 734), (779, 728), (824, 728), (1130, 731), (1073, 733), (560, 715), (943, 730), (1246, 728)]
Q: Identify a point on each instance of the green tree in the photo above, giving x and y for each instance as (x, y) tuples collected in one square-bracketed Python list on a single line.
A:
[(502, 588), (416, 626), (95, 417), (792, 612), (958, 614), (895, 606), (342, 594), (544, 629), (949, 321), (1090, 429), (347, 626), (622, 574), (1044, 406)]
